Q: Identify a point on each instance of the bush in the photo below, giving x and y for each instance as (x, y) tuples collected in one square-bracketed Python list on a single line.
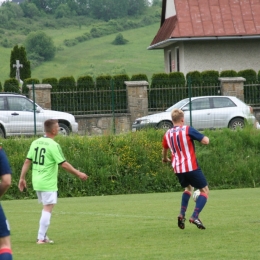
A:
[(157, 102), (228, 73), (103, 101), (96, 32), (29, 81), (119, 40), (160, 80), (70, 43), (85, 82), (11, 85), (52, 81), (131, 163), (139, 77), (210, 77), (177, 79), (66, 83), (249, 75), (194, 78)]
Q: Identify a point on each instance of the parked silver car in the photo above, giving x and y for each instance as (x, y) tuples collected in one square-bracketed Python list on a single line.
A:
[(17, 117), (208, 112)]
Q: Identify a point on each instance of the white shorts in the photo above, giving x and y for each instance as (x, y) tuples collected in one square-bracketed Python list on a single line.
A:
[(47, 197)]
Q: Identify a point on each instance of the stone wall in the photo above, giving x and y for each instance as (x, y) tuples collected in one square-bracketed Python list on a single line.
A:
[(103, 124)]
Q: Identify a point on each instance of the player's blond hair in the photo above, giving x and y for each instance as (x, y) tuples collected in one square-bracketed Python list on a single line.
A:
[(177, 115), (49, 124)]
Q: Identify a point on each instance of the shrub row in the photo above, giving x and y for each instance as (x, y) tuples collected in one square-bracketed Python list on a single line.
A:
[(101, 99), (158, 80), (131, 163)]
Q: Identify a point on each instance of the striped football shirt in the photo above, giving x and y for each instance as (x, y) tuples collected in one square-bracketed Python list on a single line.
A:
[(180, 140)]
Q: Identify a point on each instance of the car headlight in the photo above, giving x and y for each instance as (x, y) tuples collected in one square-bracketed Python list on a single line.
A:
[(144, 121)]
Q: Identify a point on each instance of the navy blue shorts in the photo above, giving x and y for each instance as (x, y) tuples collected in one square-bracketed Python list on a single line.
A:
[(194, 178), (4, 226)]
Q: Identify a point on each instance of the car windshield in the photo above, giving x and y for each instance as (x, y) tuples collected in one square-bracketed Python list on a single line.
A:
[(178, 105)]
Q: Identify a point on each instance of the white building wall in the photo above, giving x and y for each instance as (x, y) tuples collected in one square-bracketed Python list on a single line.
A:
[(220, 55), (172, 48)]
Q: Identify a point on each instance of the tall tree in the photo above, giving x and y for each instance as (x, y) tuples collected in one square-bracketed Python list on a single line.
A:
[(19, 53), (137, 6), (108, 9), (41, 45)]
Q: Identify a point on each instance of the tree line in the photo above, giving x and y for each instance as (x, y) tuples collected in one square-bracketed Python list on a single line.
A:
[(97, 9)]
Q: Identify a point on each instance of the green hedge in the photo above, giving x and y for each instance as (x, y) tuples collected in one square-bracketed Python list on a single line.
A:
[(249, 74), (131, 163), (52, 81), (228, 73), (138, 77), (29, 81), (11, 85), (86, 101)]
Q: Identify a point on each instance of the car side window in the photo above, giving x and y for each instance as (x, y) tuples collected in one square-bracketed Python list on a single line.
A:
[(199, 104), (19, 104), (223, 102), (2, 103)]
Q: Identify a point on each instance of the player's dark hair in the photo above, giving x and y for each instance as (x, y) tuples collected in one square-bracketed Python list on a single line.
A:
[(49, 124)]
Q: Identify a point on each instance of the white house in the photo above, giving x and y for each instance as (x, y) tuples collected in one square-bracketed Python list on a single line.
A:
[(209, 35)]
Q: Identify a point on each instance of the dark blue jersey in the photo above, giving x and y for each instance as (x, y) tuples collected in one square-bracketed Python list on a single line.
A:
[(4, 163)]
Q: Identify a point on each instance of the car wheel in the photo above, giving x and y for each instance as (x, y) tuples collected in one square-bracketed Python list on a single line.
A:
[(2, 134), (64, 130), (165, 125), (236, 123)]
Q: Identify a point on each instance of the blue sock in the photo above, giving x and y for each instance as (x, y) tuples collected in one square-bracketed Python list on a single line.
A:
[(6, 254), (200, 203), (184, 202)]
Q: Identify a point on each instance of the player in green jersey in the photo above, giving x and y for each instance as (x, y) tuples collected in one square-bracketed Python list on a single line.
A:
[(46, 155)]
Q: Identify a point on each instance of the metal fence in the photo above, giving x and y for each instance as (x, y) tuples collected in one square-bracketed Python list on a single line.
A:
[(84, 102), (252, 94), (161, 97)]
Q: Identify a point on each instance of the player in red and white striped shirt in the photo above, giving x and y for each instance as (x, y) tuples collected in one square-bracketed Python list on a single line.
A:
[(180, 140)]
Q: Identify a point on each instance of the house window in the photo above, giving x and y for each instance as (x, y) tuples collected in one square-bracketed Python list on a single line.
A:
[(177, 58), (170, 61)]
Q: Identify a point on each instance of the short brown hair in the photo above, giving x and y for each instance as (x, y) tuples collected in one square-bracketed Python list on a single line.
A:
[(177, 115), (49, 124)]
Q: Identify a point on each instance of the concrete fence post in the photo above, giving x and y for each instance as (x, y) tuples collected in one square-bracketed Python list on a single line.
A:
[(233, 86), (42, 94), (137, 99)]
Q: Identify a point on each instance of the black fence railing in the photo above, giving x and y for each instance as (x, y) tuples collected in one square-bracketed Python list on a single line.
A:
[(160, 98), (84, 102), (252, 94)]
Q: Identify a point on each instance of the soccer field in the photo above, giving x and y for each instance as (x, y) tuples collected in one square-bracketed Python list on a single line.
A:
[(141, 226)]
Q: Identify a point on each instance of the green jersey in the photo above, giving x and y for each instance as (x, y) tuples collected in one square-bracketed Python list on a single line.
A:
[(46, 155)]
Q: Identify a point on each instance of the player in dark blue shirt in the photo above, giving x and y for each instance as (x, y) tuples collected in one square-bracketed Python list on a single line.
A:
[(5, 175)]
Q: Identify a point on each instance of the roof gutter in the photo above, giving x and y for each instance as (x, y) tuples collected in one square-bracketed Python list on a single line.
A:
[(163, 44)]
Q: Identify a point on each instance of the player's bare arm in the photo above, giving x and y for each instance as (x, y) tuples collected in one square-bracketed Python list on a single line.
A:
[(165, 158), (5, 183), (69, 168), (25, 168)]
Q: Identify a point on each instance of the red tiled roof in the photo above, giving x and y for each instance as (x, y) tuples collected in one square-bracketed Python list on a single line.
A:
[(210, 18)]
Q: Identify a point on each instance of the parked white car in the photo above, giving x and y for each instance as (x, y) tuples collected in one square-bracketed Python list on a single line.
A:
[(208, 112), (17, 117)]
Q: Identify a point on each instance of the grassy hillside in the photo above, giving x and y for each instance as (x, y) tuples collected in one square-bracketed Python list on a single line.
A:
[(96, 56)]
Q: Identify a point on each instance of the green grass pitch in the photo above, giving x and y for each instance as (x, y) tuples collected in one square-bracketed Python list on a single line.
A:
[(139, 227)]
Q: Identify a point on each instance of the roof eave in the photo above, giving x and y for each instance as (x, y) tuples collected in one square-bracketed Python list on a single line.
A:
[(166, 43)]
